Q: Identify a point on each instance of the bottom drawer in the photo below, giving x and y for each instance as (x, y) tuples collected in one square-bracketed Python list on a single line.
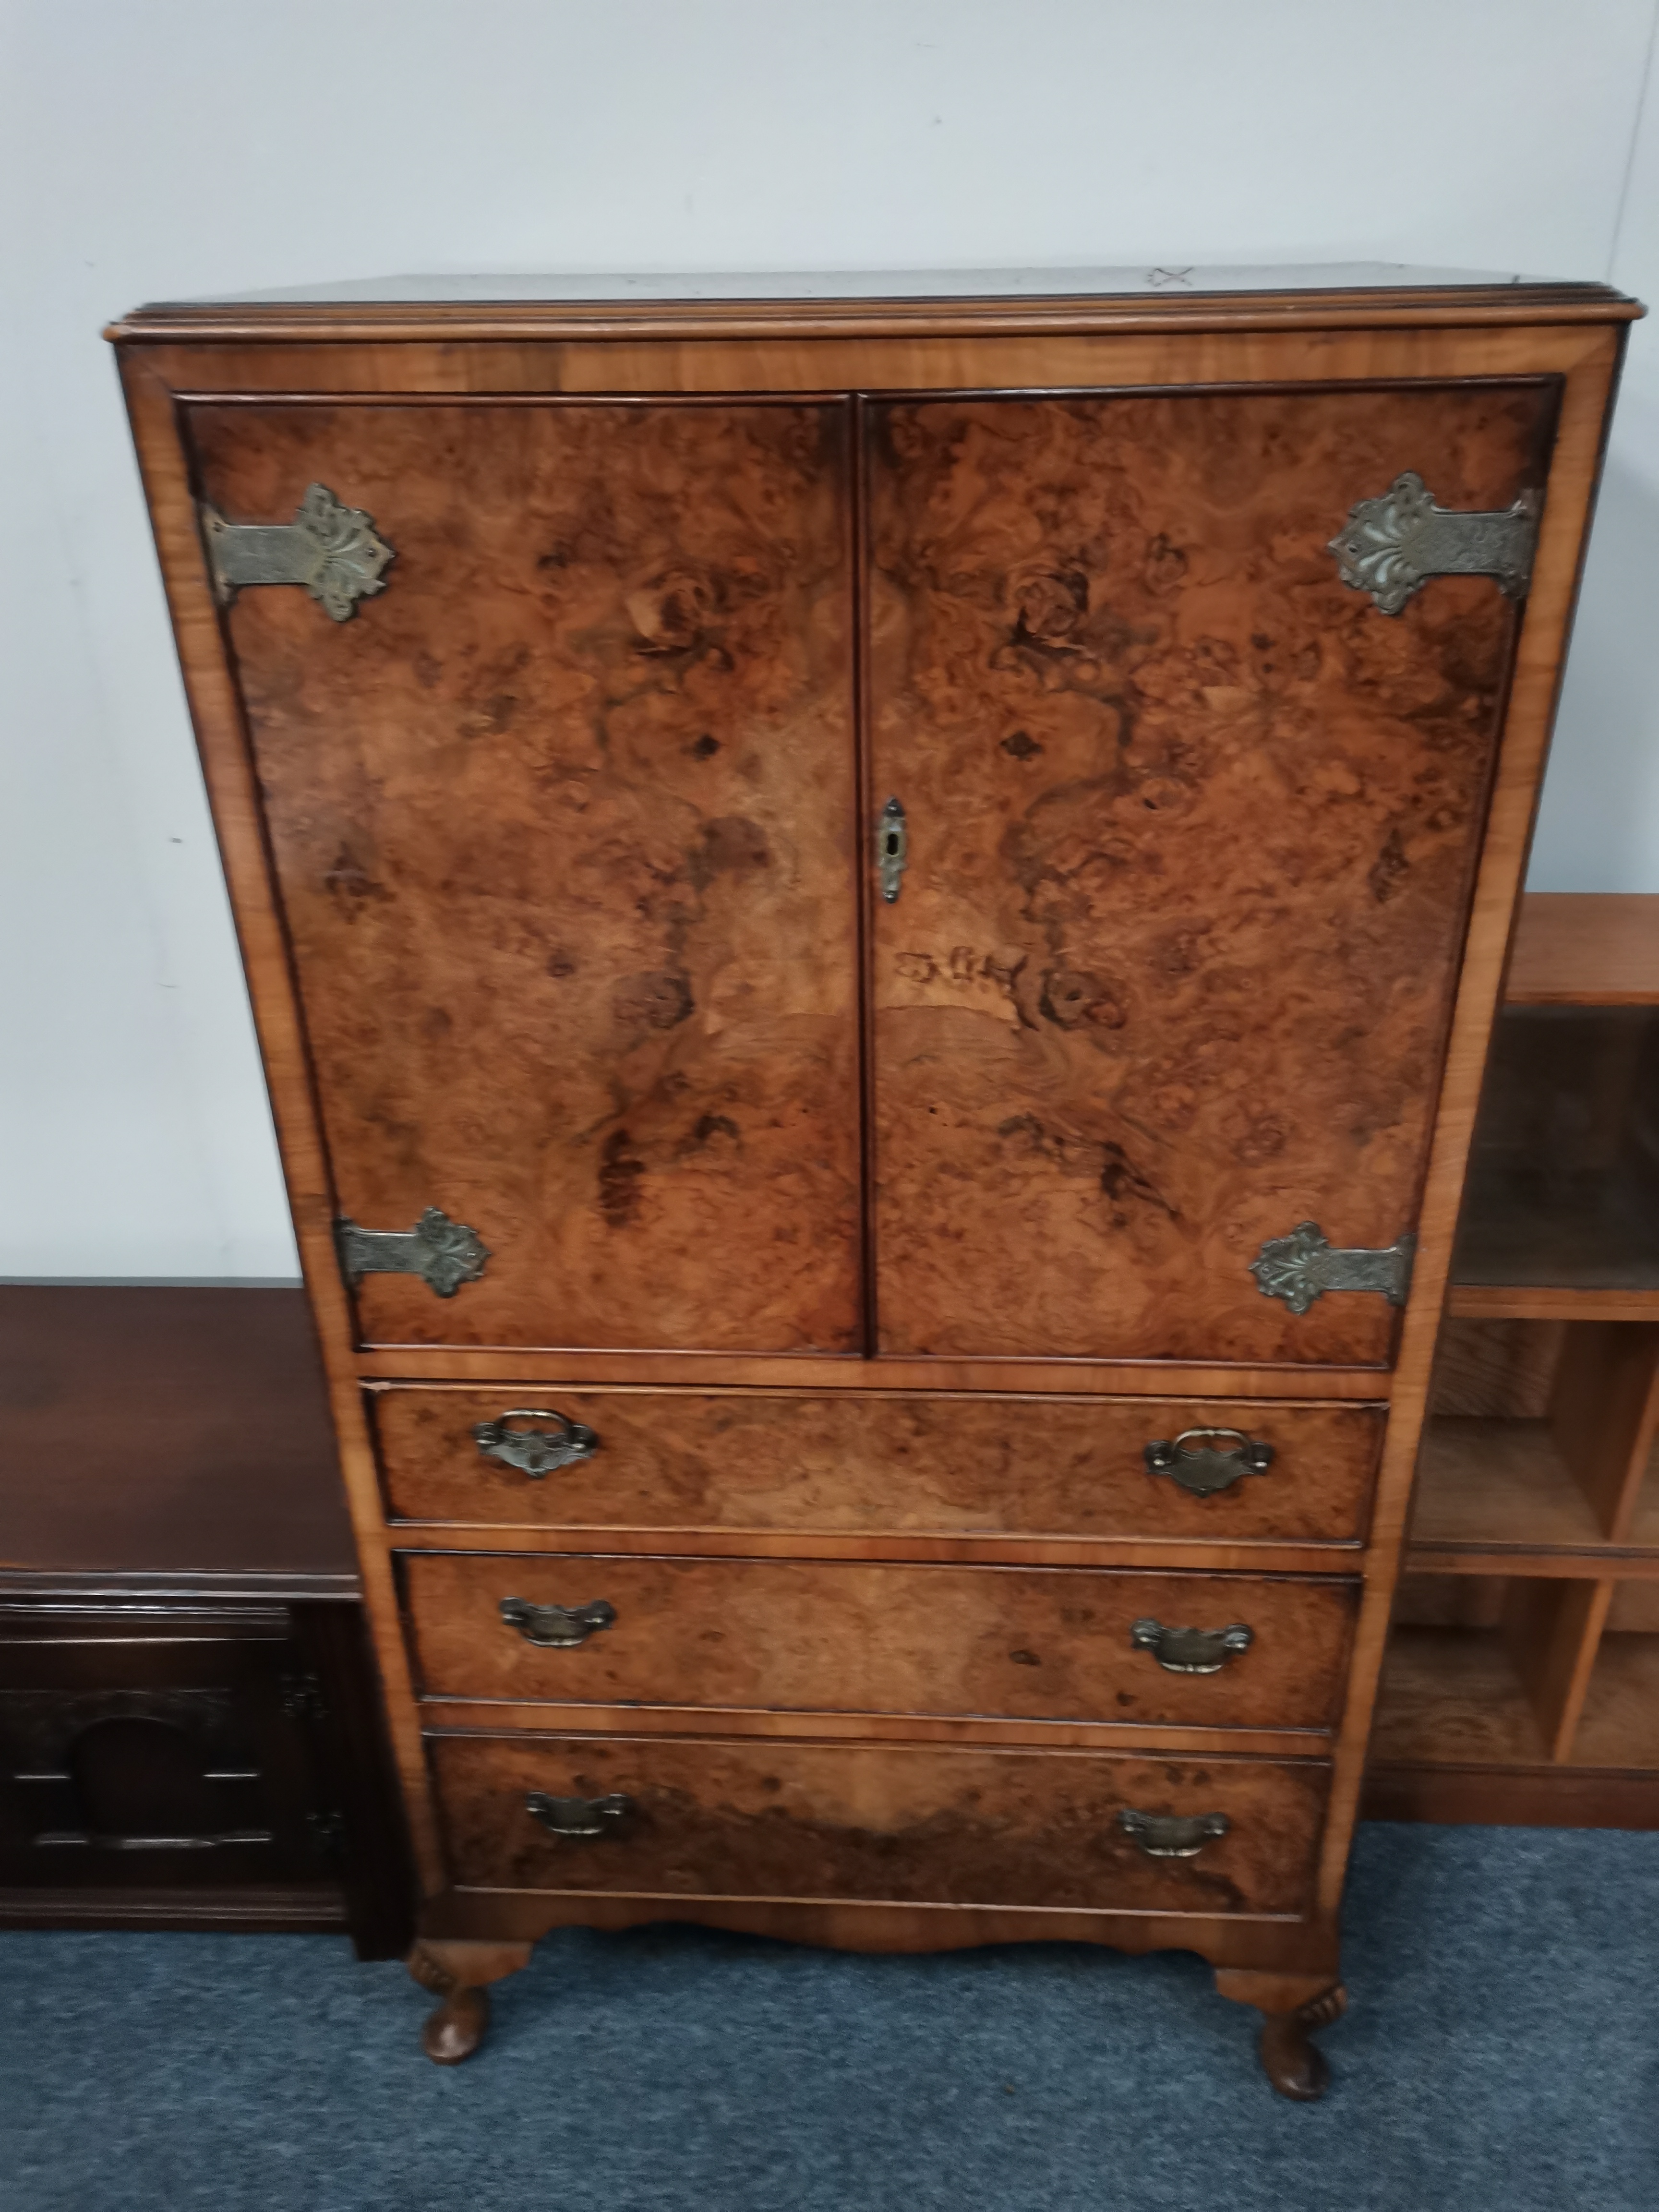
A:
[(880, 1823)]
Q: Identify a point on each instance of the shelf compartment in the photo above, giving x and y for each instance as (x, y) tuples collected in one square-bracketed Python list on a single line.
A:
[(1453, 1697), (1563, 1175), (1498, 1496), (1620, 1726), (1483, 1670), (1494, 1486)]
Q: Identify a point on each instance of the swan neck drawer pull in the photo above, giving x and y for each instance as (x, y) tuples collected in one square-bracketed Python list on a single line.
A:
[(1191, 1650), (578, 1820), (1194, 1461), (1171, 1835), (534, 1452), (556, 1627)]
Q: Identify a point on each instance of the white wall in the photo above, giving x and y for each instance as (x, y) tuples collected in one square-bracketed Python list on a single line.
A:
[(199, 146)]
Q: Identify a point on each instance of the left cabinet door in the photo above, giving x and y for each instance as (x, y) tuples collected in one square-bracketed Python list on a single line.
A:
[(562, 823)]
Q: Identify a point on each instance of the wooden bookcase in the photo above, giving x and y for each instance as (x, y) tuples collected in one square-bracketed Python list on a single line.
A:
[(1521, 1682)]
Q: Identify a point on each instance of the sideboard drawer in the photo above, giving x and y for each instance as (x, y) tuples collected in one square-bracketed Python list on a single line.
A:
[(869, 1462), (910, 1823), (812, 1636)]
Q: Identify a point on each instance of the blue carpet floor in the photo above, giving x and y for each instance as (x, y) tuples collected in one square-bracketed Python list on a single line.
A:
[(1501, 2054)]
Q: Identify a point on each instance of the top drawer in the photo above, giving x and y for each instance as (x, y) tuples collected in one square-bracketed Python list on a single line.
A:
[(852, 1463)]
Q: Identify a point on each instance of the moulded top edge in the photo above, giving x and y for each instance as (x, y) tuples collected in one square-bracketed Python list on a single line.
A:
[(1178, 293), (511, 289)]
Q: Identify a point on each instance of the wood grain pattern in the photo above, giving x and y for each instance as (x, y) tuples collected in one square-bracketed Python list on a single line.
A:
[(561, 826), (879, 1823), (1039, 1644), (961, 1465), (1151, 751), (1586, 949)]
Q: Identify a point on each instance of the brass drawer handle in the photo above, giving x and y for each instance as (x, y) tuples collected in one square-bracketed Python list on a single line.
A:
[(531, 1451), (1193, 1462), (1191, 1650), (556, 1627), (1171, 1835), (577, 1819)]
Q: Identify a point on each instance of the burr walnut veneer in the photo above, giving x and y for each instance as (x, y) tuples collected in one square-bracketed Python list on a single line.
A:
[(874, 915)]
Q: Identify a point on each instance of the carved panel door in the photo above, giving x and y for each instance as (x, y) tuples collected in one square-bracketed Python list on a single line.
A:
[(1191, 830), (562, 825)]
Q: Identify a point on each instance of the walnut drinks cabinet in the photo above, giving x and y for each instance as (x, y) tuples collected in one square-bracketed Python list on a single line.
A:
[(874, 919)]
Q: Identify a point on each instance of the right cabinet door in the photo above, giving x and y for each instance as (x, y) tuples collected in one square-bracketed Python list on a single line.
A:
[(1191, 828)]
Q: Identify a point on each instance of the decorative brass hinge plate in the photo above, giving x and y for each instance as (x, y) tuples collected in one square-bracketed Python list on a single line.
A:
[(1393, 543), (330, 548), (444, 1253), (1304, 1265)]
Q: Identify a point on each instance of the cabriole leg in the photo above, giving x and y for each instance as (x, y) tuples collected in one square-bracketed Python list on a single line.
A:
[(460, 1974), (1291, 2007)]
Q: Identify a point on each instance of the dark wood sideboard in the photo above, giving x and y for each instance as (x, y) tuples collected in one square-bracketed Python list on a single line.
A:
[(191, 1731)]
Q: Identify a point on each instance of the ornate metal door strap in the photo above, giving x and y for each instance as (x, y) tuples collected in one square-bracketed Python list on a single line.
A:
[(1171, 1835), (330, 548), (1191, 1650), (556, 1627), (1304, 1265), (531, 1451), (577, 1819), (1393, 543), (444, 1253), (1193, 1460), (892, 849)]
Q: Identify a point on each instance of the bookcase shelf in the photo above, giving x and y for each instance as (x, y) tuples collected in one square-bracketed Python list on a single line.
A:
[(1521, 1678)]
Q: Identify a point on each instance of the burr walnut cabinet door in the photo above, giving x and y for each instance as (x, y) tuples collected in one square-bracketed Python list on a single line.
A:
[(563, 824), (858, 1463), (912, 1824), (1191, 832), (1047, 1643)]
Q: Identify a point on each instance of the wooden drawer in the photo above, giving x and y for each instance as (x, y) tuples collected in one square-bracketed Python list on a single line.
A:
[(895, 1823), (874, 1461), (814, 1635)]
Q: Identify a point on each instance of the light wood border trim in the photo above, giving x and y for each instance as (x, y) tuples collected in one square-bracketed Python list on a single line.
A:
[(1540, 653), (215, 711), (492, 1716)]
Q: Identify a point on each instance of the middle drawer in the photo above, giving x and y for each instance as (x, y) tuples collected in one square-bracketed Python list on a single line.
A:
[(1072, 1643)]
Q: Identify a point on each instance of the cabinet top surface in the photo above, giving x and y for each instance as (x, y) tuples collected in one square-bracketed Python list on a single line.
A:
[(1354, 291)]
